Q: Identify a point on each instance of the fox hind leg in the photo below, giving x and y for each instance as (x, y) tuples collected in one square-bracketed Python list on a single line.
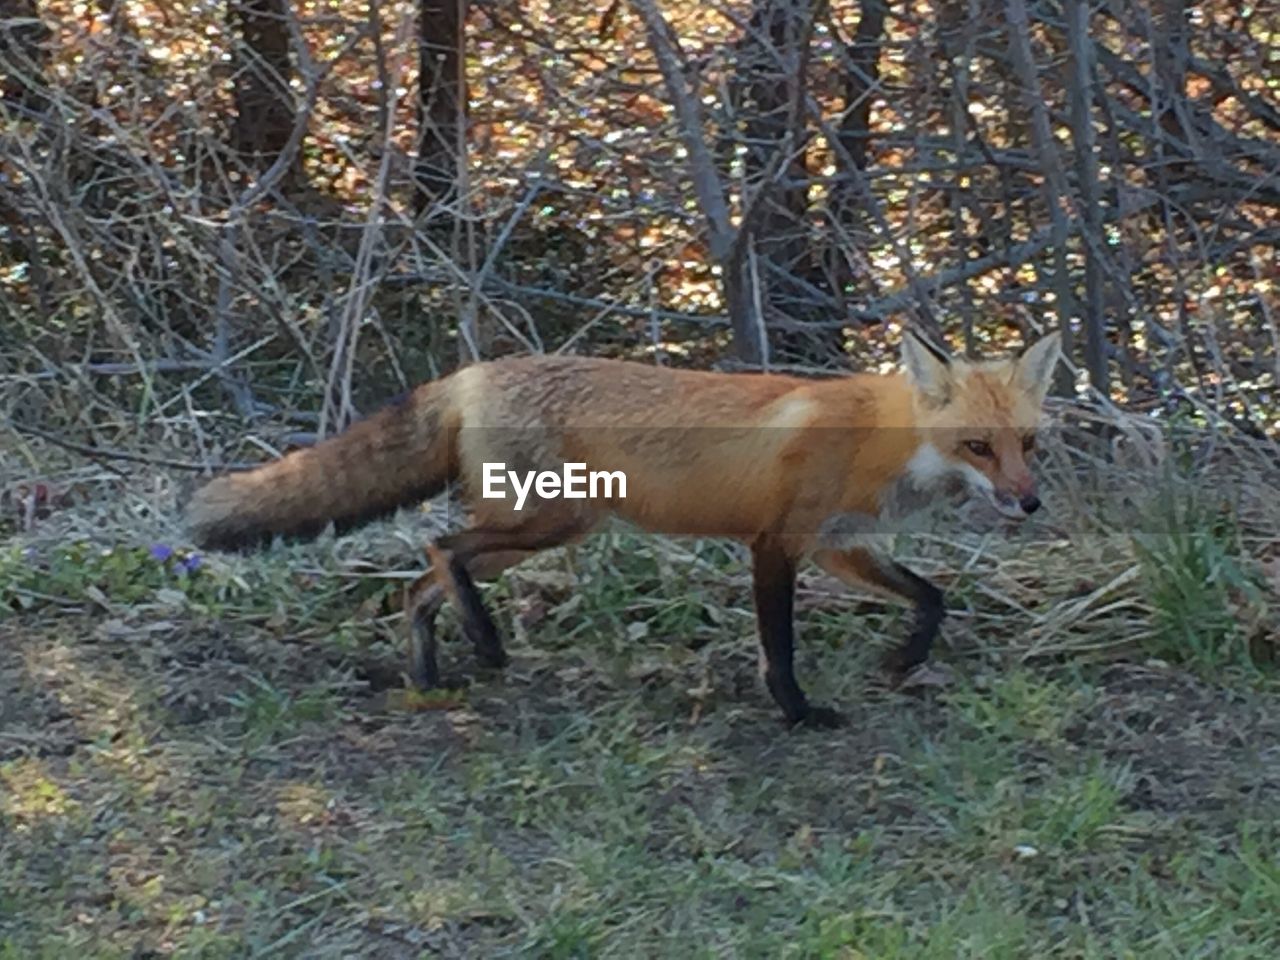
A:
[(477, 624), (457, 562), (425, 599)]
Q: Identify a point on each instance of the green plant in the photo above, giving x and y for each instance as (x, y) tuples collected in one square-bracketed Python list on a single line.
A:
[(79, 571), (1200, 584)]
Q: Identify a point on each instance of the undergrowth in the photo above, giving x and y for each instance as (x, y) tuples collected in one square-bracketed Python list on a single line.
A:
[(1208, 600)]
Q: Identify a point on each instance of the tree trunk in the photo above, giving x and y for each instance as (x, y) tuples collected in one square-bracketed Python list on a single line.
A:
[(847, 200), (770, 81), (1169, 49), (264, 102), (442, 97), (1082, 133), (1055, 181), (861, 78)]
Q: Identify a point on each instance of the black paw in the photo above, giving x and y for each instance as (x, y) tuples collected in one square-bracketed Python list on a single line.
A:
[(897, 663), (492, 659), (451, 682), (822, 718), (380, 676)]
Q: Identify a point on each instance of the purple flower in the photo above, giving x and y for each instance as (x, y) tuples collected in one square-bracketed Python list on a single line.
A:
[(161, 552), (192, 563)]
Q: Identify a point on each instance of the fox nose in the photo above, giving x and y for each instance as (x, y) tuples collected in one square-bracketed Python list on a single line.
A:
[(1029, 504)]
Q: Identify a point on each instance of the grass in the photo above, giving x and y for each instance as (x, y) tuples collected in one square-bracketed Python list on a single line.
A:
[(213, 763), (1200, 589)]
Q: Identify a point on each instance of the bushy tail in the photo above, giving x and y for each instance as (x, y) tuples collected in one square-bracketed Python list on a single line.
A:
[(400, 455)]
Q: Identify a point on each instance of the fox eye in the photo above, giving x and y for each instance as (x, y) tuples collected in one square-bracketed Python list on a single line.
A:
[(979, 448), (1028, 443)]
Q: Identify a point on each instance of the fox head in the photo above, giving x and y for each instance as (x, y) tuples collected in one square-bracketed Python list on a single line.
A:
[(978, 420)]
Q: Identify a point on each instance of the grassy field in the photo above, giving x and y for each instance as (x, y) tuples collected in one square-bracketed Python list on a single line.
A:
[(219, 762)]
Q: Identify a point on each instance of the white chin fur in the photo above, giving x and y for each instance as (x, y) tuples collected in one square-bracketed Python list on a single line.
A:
[(1006, 506), (928, 468)]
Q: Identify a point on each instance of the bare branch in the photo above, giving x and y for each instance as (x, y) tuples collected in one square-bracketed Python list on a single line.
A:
[(723, 240), (1081, 96), (684, 101), (1055, 182)]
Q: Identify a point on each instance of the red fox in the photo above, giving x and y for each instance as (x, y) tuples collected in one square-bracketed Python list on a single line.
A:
[(793, 468)]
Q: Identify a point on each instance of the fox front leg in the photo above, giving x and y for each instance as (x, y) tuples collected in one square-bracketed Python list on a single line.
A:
[(774, 583), (867, 568)]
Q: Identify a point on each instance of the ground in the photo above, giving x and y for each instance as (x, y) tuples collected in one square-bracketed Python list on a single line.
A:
[(219, 762)]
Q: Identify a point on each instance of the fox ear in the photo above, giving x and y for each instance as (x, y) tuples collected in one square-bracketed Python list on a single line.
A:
[(1035, 366), (928, 368)]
